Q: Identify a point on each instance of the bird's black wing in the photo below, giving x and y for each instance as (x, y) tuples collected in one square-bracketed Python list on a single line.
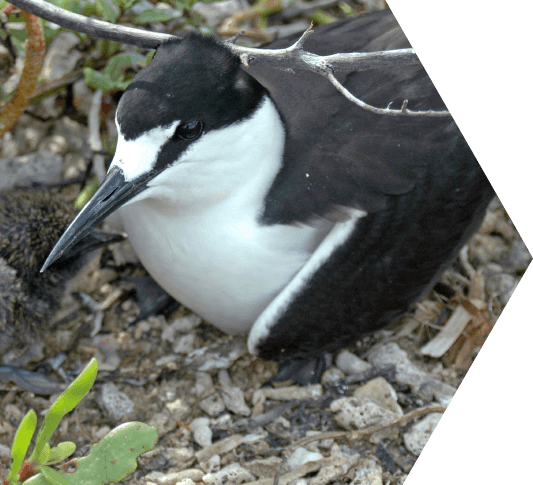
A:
[(338, 154), (416, 178)]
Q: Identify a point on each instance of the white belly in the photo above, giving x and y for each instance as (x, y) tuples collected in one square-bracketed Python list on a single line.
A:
[(226, 270)]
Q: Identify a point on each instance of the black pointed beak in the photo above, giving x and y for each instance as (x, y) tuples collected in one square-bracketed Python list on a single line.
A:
[(113, 193)]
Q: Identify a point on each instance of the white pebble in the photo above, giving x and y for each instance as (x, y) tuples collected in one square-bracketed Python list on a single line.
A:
[(301, 456), (350, 363), (201, 431), (416, 438), (233, 474)]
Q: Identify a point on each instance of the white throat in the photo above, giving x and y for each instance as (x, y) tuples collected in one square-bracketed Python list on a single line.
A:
[(238, 161), (196, 227)]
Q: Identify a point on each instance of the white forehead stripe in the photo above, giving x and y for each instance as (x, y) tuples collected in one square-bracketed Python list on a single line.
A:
[(138, 156)]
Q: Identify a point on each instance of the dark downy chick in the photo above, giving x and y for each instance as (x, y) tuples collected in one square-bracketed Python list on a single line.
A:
[(31, 220)]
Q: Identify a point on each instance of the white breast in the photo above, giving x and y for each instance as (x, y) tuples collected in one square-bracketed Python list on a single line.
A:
[(225, 269)]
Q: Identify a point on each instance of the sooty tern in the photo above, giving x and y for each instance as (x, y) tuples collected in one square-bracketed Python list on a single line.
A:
[(267, 202)]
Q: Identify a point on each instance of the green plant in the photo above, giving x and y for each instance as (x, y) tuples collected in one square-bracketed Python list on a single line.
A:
[(110, 460)]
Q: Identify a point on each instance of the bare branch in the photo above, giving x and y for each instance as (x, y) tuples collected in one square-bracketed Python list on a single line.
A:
[(293, 57), (96, 28), (403, 111)]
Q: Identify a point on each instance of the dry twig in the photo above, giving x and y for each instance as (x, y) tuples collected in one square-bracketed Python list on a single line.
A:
[(357, 435)]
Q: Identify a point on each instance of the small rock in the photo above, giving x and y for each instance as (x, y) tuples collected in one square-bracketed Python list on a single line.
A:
[(334, 471), (163, 423), (288, 393), (178, 408), (115, 402), (416, 438), (301, 456), (213, 404), (519, 256), (484, 248), (501, 285), (184, 344), (264, 467), (351, 364), (332, 376), (407, 373), (12, 413), (232, 396), (187, 323), (102, 432), (55, 144), (379, 391), (369, 473), (181, 457), (42, 167), (201, 431), (353, 413), (233, 474), (194, 475), (223, 420), (8, 146), (212, 465), (61, 56), (217, 356), (74, 132), (5, 452), (109, 346), (436, 390)]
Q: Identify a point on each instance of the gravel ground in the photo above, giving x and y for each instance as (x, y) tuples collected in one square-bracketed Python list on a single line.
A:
[(366, 422)]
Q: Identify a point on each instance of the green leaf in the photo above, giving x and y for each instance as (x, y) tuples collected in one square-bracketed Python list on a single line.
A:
[(110, 460), (65, 403), (150, 56), (75, 6), (97, 80), (21, 442), (321, 17), (153, 15), (118, 64), (60, 452), (116, 455), (108, 10), (43, 457), (53, 476), (86, 193), (128, 3)]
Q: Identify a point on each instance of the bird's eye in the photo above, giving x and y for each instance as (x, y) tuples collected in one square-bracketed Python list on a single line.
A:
[(188, 131)]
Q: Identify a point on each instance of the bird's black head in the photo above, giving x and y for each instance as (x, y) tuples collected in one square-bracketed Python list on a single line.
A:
[(196, 79)]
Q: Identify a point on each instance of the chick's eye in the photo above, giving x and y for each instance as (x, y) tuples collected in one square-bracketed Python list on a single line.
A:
[(188, 131)]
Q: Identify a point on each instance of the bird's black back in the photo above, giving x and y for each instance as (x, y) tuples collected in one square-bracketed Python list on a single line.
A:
[(419, 182), (342, 155)]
